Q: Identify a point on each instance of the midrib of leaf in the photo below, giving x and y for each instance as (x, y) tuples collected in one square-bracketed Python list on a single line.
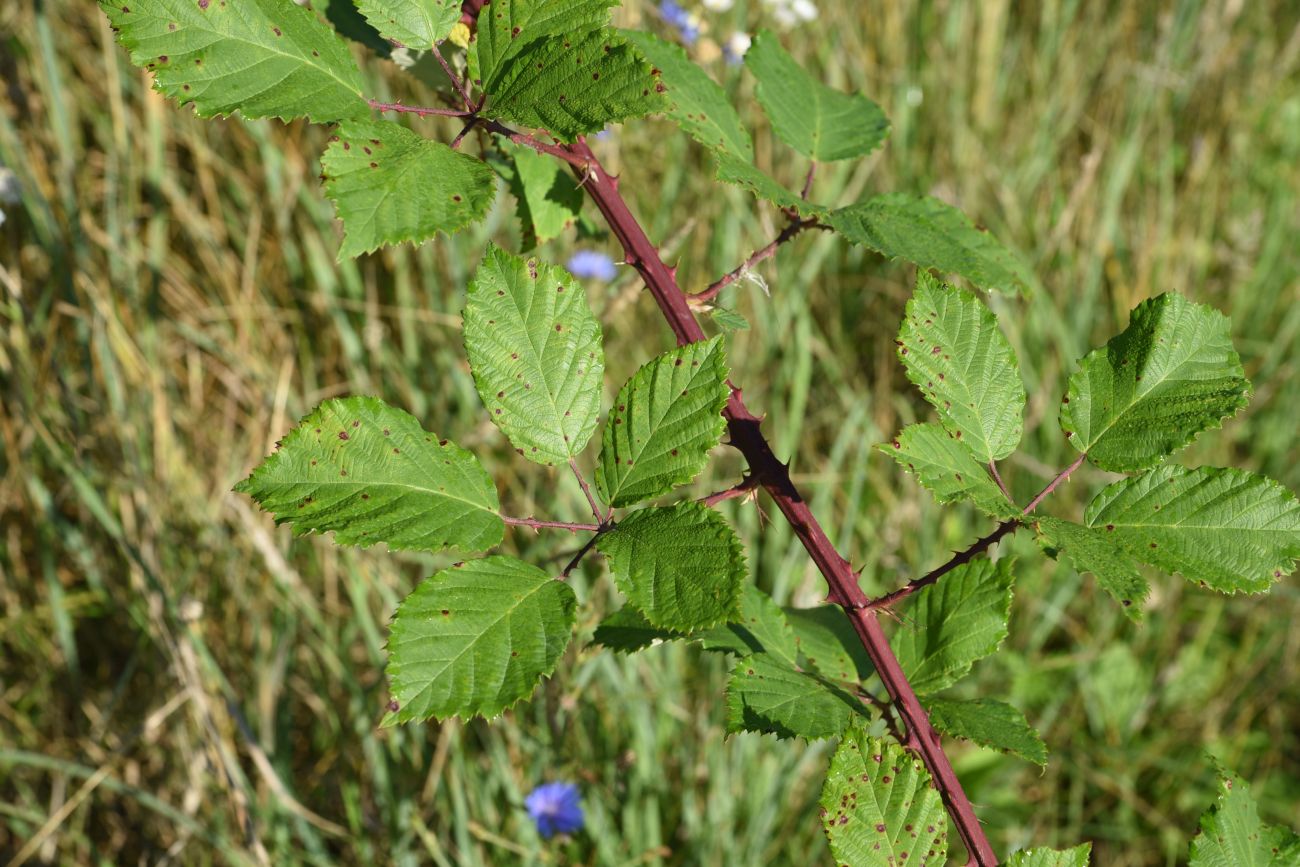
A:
[(399, 486)]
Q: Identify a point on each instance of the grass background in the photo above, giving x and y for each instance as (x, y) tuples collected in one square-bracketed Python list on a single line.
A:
[(182, 682)]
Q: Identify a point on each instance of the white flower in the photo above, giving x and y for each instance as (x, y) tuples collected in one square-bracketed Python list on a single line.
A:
[(2, 218), (10, 192), (738, 43), (718, 5), (805, 10)]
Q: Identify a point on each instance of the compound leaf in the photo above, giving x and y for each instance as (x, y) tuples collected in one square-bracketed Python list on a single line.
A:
[(1076, 857), (769, 695), (879, 808), (262, 58), (827, 642), (412, 23), (1229, 529), (664, 421), (760, 627), (954, 622), (1155, 386), (536, 354), (816, 120), (695, 101), (1232, 834), (682, 566), (370, 473), (549, 199), (989, 723), (476, 638), (742, 172), (556, 64), (932, 234), (1096, 551), (955, 353), (947, 469), (390, 185)]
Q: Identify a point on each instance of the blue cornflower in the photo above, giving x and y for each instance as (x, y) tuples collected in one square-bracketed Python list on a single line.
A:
[(686, 24), (556, 808), (589, 263)]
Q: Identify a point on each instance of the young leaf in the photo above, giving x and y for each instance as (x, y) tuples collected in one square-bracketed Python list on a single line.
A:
[(549, 199), (476, 638), (1076, 857), (1232, 834), (931, 234), (770, 696), (989, 723), (955, 353), (627, 631), (760, 627), (390, 185), (1098, 552), (536, 354), (262, 58), (556, 64), (1155, 386), (729, 320), (665, 420), (947, 469), (951, 624), (1226, 528), (816, 120), (695, 101), (682, 566), (828, 643), (743, 173), (412, 23), (879, 808), (370, 473)]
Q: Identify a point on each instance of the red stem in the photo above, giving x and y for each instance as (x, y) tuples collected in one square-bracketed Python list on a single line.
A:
[(417, 110), (795, 227), (586, 490), (741, 489), (538, 524)]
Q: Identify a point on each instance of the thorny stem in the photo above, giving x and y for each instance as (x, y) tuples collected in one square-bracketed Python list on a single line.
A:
[(455, 79), (591, 501), (582, 552), (794, 228), (741, 489), (807, 182), (997, 477), (420, 111), (538, 524)]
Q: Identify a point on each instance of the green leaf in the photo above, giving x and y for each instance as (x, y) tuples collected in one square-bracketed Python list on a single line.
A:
[(760, 627), (816, 120), (555, 64), (770, 696), (1096, 551), (695, 101), (931, 234), (390, 185), (1226, 528), (743, 173), (262, 58), (370, 473), (954, 622), (664, 422), (536, 354), (957, 356), (729, 320), (878, 804), (989, 723), (549, 199), (627, 631), (1232, 834), (476, 638), (947, 469), (413, 23), (828, 643), (682, 566), (1076, 857), (1155, 386)]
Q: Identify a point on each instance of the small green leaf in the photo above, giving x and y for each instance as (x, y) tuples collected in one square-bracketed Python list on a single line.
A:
[(770, 696), (931, 234), (743, 173), (989, 723), (262, 58), (695, 101), (1226, 528), (627, 631), (370, 473), (827, 642), (1076, 857), (1098, 552), (412, 23), (816, 120), (555, 64), (1155, 386), (957, 356), (390, 185), (760, 627), (878, 804), (664, 422), (476, 638), (549, 199), (536, 354), (954, 622), (682, 566), (729, 320), (1232, 834), (947, 469)]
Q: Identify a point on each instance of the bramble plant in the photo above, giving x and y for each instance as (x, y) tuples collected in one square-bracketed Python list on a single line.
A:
[(476, 638)]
